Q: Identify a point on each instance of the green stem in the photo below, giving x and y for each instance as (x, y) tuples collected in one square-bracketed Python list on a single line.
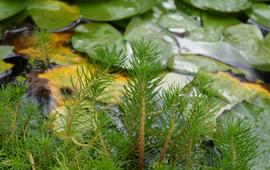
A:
[(168, 139)]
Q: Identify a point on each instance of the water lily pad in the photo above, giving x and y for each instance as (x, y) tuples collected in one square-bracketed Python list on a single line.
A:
[(210, 20), (5, 51), (148, 29), (260, 13), (52, 14), (193, 63), (109, 10), (228, 6), (249, 38), (178, 22), (9, 8), (62, 77), (233, 91), (88, 36)]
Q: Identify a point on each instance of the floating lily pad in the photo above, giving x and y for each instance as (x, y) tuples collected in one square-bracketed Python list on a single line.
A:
[(210, 20), (224, 6), (180, 23), (52, 14), (88, 36), (62, 77), (109, 10), (178, 20), (193, 63), (260, 13), (5, 51), (147, 29), (249, 39), (233, 91), (9, 8)]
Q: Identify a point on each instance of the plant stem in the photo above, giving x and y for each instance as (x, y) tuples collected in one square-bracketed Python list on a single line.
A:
[(141, 135), (31, 160), (15, 115), (189, 160), (168, 139)]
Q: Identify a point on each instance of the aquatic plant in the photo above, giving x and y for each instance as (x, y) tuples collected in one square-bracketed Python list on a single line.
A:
[(155, 129)]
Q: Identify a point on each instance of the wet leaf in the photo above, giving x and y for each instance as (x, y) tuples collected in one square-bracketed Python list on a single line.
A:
[(62, 77), (15, 19), (232, 91), (140, 28), (109, 10), (228, 6), (260, 13), (5, 51), (59, 53), (9, 8), (4, 66), (88, 36), (248, 38), (178, 20), (210, 20), (193, 63), (52, 14), (175, 79), (180, 23)]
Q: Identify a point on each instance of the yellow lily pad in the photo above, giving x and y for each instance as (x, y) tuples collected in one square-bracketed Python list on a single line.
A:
[(62, 77)]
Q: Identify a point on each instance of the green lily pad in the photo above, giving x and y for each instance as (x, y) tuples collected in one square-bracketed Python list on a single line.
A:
[(110, 10), (88, 36), (178, 21), (191, 64), (9, 8), (224, 6), (52, 14), (249, 39), (232, 91), (188, 9), (5, 51), (148, 29), (15, 19), (260, 13), (210, 20)]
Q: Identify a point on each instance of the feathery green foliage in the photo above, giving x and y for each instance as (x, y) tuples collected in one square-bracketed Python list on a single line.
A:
[(236, 141), (140, 102), (150, 129)]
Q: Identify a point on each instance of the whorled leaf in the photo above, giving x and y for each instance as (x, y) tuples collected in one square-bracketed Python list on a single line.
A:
[(256, 110)]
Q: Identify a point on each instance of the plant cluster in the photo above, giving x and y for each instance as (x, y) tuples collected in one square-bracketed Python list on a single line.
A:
[(150, 129)]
